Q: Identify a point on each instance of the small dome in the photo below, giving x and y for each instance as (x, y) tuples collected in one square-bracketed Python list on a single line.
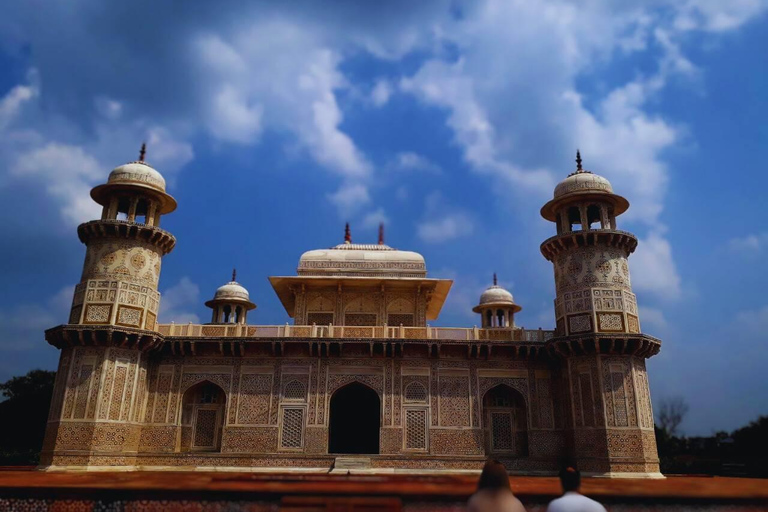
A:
[(231, 290), (583, 185), (495, 295), (138, 173), (133, 177), (583, 181)]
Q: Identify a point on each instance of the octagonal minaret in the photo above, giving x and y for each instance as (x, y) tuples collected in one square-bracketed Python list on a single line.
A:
[(124, 249), (610, 422), (594, 291), (101, 385)]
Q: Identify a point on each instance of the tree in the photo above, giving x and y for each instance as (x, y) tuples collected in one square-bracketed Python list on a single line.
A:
[(24, 413), (672, 410)]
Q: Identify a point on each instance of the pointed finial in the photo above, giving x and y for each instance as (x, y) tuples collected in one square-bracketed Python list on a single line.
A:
[(578, 161), (381, 233), (234, 274), (495, 281), (143, 151), (347, 234)]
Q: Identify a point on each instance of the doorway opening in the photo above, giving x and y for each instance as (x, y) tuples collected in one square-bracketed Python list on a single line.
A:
[(506, 423), (355, 420), (202, 417)]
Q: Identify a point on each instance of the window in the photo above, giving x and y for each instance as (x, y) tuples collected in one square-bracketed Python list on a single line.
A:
[(574, 218), (142, 208), (294, 390), (292, 431), (319, 318), (593, 217), (416, 429), (415, 392)]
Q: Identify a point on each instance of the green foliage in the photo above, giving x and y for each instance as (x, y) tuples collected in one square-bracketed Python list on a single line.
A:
[(25, 414)]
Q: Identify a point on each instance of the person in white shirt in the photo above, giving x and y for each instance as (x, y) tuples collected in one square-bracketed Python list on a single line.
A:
[(493, 491), (571, 500)]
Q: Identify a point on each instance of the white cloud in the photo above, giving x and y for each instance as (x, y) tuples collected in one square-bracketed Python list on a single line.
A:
[(279, 75), (410, 161), (652, 317), (178, 303), (109, 108), (374, 218), (234, 118), (653, 268), (752, 322), (381, 92), (349, 198), (751, 244), (445, 228), (22, 326), (66, 172), (165, 151), (716, 15), (13, 101)]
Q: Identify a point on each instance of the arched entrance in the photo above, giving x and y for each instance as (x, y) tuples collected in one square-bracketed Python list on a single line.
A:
[(202, 417), (355, 420), (506, 422)]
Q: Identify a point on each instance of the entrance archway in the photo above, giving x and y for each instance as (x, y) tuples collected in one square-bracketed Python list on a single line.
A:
[(506, 422), (202, 417), (354, 420)]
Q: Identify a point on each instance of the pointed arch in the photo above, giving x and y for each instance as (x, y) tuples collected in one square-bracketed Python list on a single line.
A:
[(354, 420), (505, 419), (202, 416)]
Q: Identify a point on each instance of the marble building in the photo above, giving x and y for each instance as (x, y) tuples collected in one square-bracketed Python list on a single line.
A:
[(360, 379)]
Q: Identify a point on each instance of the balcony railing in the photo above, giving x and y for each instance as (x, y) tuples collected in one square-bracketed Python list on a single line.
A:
[(357, 332)]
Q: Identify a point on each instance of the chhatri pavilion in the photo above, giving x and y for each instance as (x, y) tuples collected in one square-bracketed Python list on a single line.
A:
[(360, 380)]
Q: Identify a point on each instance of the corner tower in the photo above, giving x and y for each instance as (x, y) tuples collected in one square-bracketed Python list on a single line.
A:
[(101, 384), (125, 247), (594, 292), (598, 330)]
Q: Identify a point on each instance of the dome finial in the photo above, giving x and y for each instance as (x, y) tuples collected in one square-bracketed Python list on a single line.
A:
[(143, 151), (578, 160), (234, 275), (347, 234), (381, 233), (495, 281)]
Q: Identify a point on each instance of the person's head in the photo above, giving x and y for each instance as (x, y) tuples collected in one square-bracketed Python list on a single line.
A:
[(494, 476), (570, 478)]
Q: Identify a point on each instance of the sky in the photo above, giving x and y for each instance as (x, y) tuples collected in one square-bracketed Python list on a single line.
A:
[(274, 123)]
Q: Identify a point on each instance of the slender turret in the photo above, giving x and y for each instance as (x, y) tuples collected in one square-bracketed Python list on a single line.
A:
[(101, 385), (598, 333)]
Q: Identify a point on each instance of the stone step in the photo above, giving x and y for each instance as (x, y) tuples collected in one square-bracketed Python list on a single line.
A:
[(347, 463)]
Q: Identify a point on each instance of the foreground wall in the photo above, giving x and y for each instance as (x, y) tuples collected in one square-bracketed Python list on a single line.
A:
[(118, 407), (431, 412)]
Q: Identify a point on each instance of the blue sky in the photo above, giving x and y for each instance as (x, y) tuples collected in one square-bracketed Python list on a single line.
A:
[(451, 122)]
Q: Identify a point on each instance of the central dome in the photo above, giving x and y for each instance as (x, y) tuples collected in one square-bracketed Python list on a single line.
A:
[(362, 260)]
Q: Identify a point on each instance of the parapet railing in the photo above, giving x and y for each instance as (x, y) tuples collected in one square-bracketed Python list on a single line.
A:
[(346, 331)]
